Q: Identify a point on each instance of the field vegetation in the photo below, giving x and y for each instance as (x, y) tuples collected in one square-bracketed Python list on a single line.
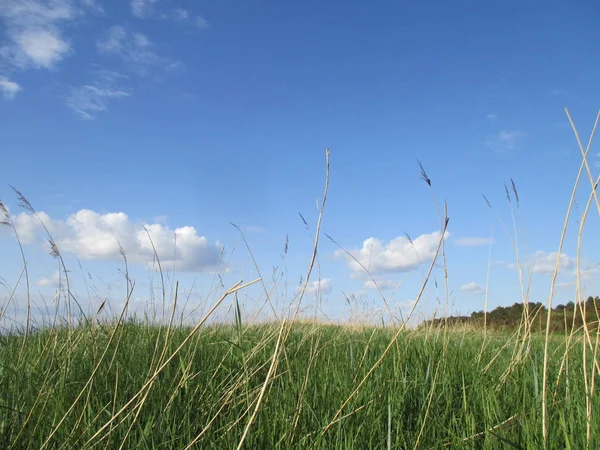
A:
[(519, 377)]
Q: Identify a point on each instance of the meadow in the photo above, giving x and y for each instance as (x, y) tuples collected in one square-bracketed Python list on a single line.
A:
[(86, 381), (96, 387)]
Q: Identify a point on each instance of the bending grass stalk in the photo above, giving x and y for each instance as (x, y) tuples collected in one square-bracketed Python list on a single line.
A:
[(54, 252), (268, 297), (236, 287), (433, 385), (482, 433), (264, 387), (368, 272), (589, 389), (585, 153), (487, 290), (396, 335), (91, 378), (8, 221), (316, 243), (140, 404), (552, 288)]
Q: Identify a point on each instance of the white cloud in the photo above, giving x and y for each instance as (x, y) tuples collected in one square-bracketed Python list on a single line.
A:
[(89, 99), (544, 263), (143, 8), (44, 47), (586, 273), (472, 241), (201, 22), (492, 116), (51, 281), (150, 9), (135, 49), (94, 236), (473, 288), (399, 255), (505, 140), (381, 284), (28, 226), (180, 14), (92, 98), (9, 88), (406, 304), (94, 6), (319, 286), (33, 31)]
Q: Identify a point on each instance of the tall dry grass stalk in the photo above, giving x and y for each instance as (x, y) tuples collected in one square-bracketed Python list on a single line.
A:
[(377, 362), (585, 164)]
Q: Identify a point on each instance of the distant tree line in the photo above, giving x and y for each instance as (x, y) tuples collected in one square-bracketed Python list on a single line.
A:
[(564, 317)]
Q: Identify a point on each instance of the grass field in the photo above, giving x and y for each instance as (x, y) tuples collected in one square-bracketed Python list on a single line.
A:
[(82, 382), (101, 386)]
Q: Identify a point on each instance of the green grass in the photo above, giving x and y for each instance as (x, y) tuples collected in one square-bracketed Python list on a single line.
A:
[(429, 388), (124, 383)]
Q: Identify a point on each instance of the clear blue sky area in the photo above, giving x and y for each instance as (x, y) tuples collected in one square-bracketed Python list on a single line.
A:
[(187, 116)]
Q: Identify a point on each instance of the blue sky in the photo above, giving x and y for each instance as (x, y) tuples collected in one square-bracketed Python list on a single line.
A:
[(188, 116)]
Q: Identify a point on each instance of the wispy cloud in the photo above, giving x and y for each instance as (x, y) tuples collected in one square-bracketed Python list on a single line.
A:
[(472, 241), (559, 92), (505, 140), (94, 236), (180, 14), (473, 288), (151, 9), (89, 99), (492, 116), (135, 49), (94, 6), (9, 88), (399, 255), (92, 98), (201, 22), (143, 8)]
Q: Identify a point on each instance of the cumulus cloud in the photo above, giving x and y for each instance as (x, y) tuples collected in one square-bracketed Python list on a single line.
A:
[(94, 236), (323, 286), (505, 140), (383, 285), (398, 255), (473, 288), (45, 48), (473, 241), (51, 281), (8, 88), (544, 263), (34, 30)]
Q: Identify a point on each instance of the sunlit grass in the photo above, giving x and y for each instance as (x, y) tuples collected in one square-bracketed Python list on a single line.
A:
[(81, 382)]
